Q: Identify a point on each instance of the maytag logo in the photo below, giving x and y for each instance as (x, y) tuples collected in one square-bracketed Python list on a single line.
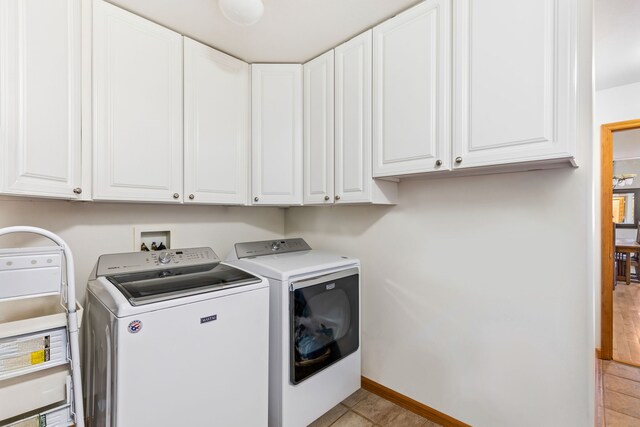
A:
[(331, 286), (208, 319)]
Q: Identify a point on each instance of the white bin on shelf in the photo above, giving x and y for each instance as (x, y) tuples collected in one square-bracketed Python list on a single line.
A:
[(33, 334), (54, 417), (26, 315), (35, 390)]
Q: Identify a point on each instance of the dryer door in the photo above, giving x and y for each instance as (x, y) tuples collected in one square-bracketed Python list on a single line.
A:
[(324, 319)]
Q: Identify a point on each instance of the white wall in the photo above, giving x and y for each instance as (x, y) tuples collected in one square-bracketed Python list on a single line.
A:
[(92, 229), (617, 104), (475, 296), (477, 292)]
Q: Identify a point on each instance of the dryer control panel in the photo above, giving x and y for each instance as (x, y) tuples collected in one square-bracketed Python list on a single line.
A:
[(133, 262), (269, 247)]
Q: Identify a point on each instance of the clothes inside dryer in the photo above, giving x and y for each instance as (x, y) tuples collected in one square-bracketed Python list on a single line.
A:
[(324, 325)]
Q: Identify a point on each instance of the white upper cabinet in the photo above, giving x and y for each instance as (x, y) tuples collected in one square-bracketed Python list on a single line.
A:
[(137, 108), (276, 129), (411, 91), (40, 98), (514, 81), (353, 171), (216, 126), (318, 130)]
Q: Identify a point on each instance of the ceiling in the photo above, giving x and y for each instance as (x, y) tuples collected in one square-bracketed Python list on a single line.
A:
[(290, 30), (617, 42), (626, 144), (298, 30)]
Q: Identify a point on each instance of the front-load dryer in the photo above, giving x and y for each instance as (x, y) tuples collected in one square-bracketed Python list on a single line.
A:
[(175, 338), (314, 333)]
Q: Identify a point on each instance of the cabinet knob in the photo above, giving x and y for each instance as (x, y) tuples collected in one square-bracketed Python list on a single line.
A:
[(176, 196), (191, 197), (458, 160), (255, 199), (337, 197), (77, 190), (438, 162), (326, 197)]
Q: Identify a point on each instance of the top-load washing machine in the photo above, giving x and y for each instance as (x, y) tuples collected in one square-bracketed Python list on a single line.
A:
[(314, 332), (175, 338)]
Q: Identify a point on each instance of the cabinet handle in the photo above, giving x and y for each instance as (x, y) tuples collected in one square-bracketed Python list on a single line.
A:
[(191, 197), (77, 190), (326, 198), (337, 197), (458, 160), (176, 196), (255, 199), (438, 162)]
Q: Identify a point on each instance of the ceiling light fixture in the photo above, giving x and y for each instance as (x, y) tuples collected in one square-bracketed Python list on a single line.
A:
[(624, 179), (242, 12)]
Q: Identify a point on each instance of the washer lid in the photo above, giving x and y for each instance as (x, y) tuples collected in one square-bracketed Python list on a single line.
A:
[(159, 285)]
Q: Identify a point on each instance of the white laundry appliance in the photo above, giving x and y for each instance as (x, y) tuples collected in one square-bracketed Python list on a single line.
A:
[(314, 333), (175, 338)]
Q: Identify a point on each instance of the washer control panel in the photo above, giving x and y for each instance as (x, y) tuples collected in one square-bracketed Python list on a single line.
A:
[(133, 262), (269, 247)]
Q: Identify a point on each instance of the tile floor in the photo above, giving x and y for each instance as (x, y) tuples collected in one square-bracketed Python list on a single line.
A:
[(620, 385), (364, 409)]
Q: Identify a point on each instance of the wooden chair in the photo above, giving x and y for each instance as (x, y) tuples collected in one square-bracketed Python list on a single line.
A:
[(635, 259), (620, 268)]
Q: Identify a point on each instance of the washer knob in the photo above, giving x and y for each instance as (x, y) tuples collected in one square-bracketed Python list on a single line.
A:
[(275, 246), (164, 257)]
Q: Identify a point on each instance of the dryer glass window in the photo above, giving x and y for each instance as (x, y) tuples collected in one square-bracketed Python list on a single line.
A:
[(324, 325)]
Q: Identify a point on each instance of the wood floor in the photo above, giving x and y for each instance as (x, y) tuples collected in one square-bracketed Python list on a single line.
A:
[(619, 395), (626, 323)]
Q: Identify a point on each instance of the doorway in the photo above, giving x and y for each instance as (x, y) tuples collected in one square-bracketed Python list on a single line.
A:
[(626, 216)]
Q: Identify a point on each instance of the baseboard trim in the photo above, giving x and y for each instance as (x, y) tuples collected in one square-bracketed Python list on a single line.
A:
[(410, 404)]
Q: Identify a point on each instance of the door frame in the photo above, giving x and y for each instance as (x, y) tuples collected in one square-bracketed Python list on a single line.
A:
[(607, 233)]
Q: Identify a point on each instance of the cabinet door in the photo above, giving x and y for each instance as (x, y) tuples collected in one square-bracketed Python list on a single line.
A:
[(411, 91), (276, 129), (318, 130), (137, 108), (353, 120), (40, 97), (513, 82), (216, 126)]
